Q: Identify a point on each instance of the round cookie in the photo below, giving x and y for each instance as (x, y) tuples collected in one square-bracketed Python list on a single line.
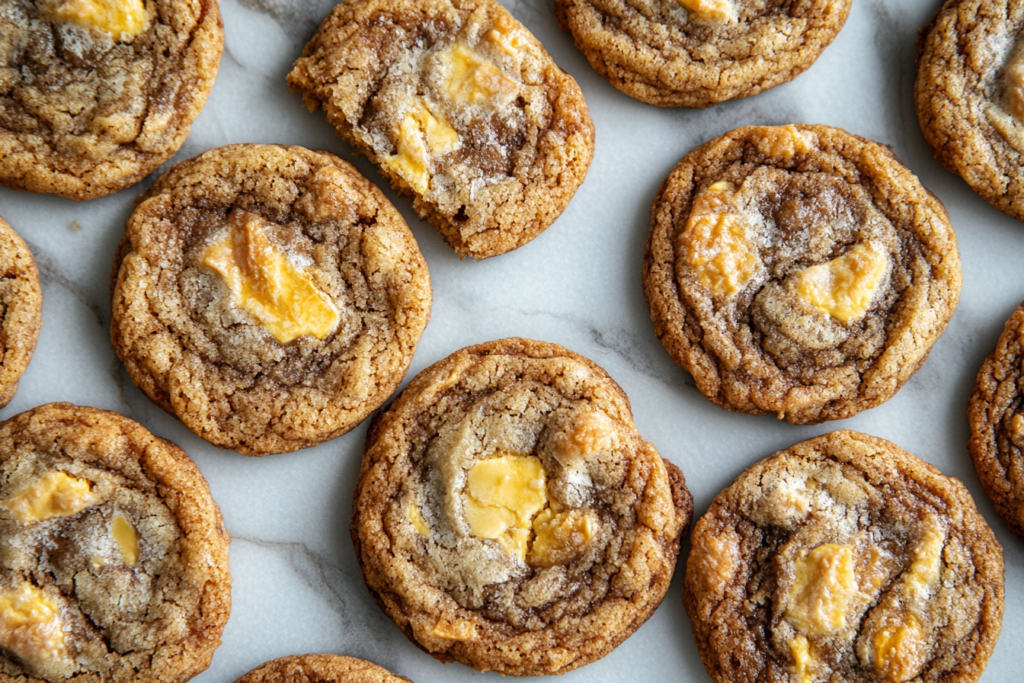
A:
[(21, 302), (996, 414), (844, 558), (695, 53), (798, 270), (970, 96), (270, 297), (320, 669), (509, 516), (94, 95), (114, 561), (460, 107)]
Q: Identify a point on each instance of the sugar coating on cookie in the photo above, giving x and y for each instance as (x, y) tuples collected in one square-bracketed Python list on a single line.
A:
[(509, 516), (114, 565), (21, 302), (844, 558), (320, 669), (695, 53), (460, 106), (970, 96), (96, 94), (270, 297), (798, 270), (996, 414)]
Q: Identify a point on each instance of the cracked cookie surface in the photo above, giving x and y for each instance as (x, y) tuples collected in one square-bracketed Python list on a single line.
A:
[(114, 559), (970, 96), (509, 516), (95, 95), (798, 270), (21, 303), (996, 414), (695, 53), (320, 669), (460, 107), (844, 558), (270, 297)]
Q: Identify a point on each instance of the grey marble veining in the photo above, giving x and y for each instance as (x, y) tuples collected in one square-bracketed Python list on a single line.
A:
[(297, 587)]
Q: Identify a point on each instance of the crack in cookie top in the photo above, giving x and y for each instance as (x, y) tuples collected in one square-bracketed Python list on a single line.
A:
[(270, 297), (320, 669), (695, 53), (114, 559), (970, 96), (460, 106), (95, 94), (21, 310), (844, 558), (996, 414), (509, 516), (798, 270)]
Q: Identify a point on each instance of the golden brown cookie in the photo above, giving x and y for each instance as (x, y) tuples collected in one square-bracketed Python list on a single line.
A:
[(695, 53), (996, 414), (798, 270), (320, 669), (460, 107), (114, 560), (21, 303), (844, 558), (508, 514), (270, 297), (94, 94), (970, 96)]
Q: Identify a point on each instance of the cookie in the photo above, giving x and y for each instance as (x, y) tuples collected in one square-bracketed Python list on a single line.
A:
[(460, 107), (508, 514), (695, 53), (114, 560), (844, 558), (970, 96), (270, 297), (996, 414), (320, 669), (94, 95), (798, 270), (21, 302)]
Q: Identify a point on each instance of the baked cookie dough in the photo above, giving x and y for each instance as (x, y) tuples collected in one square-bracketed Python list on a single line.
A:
[(113, 559), (460, 107), (996, 414), (970, 96), (320, 669), (509, 516), (798, 270), (844, 558), (21, 310), (95, 94), (695, 53), (270, 297)]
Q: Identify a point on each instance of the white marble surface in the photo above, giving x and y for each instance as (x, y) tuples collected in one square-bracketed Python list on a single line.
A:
[(297, 588)]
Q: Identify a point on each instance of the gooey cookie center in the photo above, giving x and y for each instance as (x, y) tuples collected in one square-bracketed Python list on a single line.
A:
[(506, 501), (120, 18), (825, 585), (263, 282), (421, 136), (55, 494), (716, 244), (714, 10), (30, 625), (503, 495), (845, 286)]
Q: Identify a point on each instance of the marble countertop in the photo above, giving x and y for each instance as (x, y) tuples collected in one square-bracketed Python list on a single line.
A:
[(297, 588)]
